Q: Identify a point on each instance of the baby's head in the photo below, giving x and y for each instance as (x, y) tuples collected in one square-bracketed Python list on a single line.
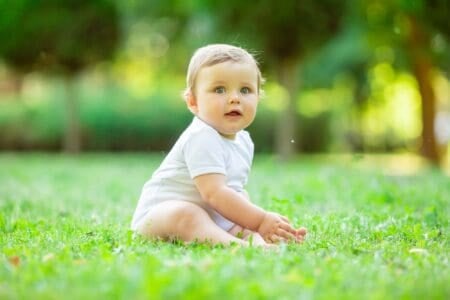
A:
[(215, 54)]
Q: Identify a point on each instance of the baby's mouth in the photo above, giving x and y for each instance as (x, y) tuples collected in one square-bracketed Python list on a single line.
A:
[(234, 113)]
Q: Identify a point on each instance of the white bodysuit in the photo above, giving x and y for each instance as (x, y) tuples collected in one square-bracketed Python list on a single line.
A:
[(199, 150)]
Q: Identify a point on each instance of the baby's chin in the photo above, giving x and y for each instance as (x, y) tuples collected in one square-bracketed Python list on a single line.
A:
[(231, 131), (230, 136)]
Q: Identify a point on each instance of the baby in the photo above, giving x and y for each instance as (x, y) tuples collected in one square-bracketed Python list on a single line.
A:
[(197, 194)]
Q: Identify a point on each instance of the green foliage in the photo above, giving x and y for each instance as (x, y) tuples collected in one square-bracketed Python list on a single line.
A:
[(108, 123), (65, 232), (353, 36), (262, 130), (388, 23), (283, 32), (308, 138), (434, 14), (113, 124), (61, 36), (347, 52), (30, 126)]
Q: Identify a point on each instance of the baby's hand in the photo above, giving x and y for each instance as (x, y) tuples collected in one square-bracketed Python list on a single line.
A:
[(275, 228), (300, 233)]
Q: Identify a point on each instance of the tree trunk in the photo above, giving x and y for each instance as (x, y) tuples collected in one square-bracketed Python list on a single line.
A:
[(421, 66), (72, 132), (286, 129)]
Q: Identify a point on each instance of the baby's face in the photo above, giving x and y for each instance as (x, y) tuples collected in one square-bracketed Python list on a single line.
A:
[(226, 96)]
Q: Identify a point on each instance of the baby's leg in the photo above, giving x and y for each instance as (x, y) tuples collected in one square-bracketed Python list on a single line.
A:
[(189, 222), (246, 235)]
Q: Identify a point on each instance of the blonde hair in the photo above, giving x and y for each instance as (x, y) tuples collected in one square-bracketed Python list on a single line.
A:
[(215, 54)]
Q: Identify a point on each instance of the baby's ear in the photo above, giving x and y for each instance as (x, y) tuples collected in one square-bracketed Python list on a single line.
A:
[(191, 102)]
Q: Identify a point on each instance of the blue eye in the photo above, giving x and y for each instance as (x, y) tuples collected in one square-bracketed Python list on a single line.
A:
[(245, 90), (219, 90)]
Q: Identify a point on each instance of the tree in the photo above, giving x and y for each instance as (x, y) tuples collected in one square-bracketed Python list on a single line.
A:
[(426, 18), (410, 27), (61, 38)]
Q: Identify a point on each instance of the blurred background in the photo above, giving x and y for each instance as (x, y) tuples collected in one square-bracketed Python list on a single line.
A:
[(342, 76)]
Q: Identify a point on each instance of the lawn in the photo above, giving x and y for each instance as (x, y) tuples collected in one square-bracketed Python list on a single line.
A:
[(375, 232)]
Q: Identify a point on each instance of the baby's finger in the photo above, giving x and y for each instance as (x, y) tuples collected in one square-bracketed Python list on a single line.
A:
[(286, 235), (287, 227), (285, 219), (302, 231), (301, 235), (268, 238), (275, 239)]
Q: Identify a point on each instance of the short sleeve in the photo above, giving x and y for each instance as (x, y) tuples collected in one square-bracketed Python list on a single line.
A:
[(204, 154)]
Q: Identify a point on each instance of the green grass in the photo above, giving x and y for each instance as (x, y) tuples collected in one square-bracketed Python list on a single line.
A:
[(64, 234)]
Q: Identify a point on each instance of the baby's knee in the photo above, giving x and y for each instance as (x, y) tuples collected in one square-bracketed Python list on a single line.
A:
[(170, 219), (187, 217)]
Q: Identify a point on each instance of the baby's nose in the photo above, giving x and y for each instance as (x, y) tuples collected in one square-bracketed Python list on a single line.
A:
[(235, 98)]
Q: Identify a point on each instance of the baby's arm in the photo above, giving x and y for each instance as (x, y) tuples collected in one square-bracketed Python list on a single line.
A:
[(237, 208), (246, 195)]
